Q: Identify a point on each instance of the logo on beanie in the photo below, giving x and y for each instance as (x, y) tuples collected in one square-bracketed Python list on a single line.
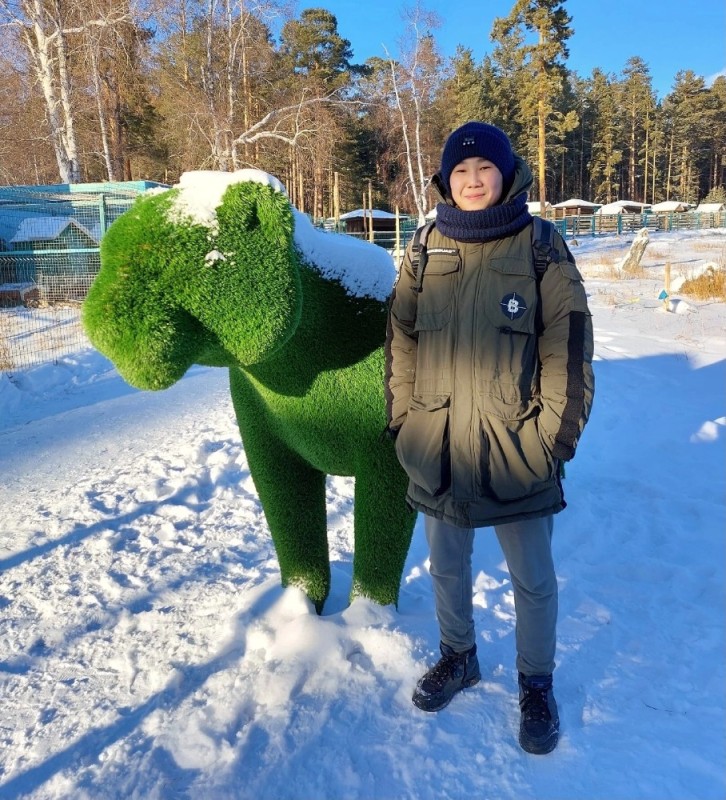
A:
[(513, 305), (468, 141)]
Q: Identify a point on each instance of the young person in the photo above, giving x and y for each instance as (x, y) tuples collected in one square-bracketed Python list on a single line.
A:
[(489, 385)]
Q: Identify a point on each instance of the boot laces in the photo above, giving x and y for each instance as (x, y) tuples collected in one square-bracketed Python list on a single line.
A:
[(534, 704), (442, 672)]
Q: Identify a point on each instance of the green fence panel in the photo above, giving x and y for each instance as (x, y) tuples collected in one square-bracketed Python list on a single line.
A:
[(49, 256)]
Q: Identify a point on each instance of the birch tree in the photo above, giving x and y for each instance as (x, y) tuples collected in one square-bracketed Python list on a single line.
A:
[(414, 80), (234, 95), (114, 59), (46, 28), (41, 29)]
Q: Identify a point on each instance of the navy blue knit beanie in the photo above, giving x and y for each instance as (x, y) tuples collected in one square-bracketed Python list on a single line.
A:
[(482, 140)]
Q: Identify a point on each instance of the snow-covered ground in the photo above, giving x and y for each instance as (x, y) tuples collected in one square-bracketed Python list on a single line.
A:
[(148, 651)]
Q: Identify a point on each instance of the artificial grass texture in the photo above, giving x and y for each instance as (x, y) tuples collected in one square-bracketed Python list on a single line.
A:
[(306, 369), (157, 306)]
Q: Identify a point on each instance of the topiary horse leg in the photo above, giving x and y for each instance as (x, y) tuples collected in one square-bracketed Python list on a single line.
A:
[(292, 494), (293, 498), (383, 527)]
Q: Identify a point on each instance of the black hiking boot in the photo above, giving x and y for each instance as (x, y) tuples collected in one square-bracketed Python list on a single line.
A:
[(453, 672), (540, 723)]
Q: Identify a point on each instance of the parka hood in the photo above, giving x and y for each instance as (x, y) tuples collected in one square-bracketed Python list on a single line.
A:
[(523, 179)]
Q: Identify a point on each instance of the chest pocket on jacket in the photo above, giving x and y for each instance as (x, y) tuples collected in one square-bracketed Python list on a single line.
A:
[(438, 282), (508, 368), (511, 296)]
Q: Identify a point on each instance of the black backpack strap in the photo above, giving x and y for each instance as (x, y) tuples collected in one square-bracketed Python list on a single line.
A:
[(418, 252), (543, 246), (544, 253)]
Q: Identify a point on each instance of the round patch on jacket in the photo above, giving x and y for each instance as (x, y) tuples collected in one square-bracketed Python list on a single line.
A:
[(513, 305)]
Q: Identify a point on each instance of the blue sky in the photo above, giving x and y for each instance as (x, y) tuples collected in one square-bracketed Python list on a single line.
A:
[(668, 35)]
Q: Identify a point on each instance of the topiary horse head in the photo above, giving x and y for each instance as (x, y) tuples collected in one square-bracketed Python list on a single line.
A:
[(222, 271)]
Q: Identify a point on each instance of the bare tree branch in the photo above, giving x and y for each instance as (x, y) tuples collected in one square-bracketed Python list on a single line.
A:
[(279, 116)]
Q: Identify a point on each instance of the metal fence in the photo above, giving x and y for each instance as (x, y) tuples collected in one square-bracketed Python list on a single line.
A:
[(581, 225), (49, 256)]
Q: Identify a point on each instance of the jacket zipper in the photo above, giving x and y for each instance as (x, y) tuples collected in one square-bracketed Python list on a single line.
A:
[(452, 397), (476, 432)]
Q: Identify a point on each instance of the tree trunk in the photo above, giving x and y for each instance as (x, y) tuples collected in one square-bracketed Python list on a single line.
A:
[(418, 185), (541, 117), (68, 128), (40, 47), (246, 94), (230, 143), (582, 159), (293, 177), (336, 199), (645, 160), (715, 176), (684, 182), (655, 153), (318, 194), (103, 127), (631, 166), (370, 205)]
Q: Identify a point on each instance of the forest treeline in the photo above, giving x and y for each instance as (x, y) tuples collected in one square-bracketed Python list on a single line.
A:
[(96, 90)]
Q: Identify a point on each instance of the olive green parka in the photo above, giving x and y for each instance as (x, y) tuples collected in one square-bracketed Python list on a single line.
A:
[(486, 393)]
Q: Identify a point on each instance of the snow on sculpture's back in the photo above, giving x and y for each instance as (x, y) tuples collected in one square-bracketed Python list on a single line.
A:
[(222, 270)]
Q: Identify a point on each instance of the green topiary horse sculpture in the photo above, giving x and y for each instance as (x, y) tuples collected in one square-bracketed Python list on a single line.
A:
[(222, 271)]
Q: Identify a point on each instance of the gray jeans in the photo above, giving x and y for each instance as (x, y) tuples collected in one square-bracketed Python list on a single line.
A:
[(527, 547)]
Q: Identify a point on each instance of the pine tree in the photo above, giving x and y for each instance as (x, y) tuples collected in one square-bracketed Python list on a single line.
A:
[(312, 48), (565, 122), (606, 154), (717, 178), (505, 97), (690, 114), (580, 139), (548, 21), (317, 60), (638, 103), (461, 97)]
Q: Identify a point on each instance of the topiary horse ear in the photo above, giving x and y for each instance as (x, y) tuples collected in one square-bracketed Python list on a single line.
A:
[(238, 207), (274, 213), (248, 206)]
